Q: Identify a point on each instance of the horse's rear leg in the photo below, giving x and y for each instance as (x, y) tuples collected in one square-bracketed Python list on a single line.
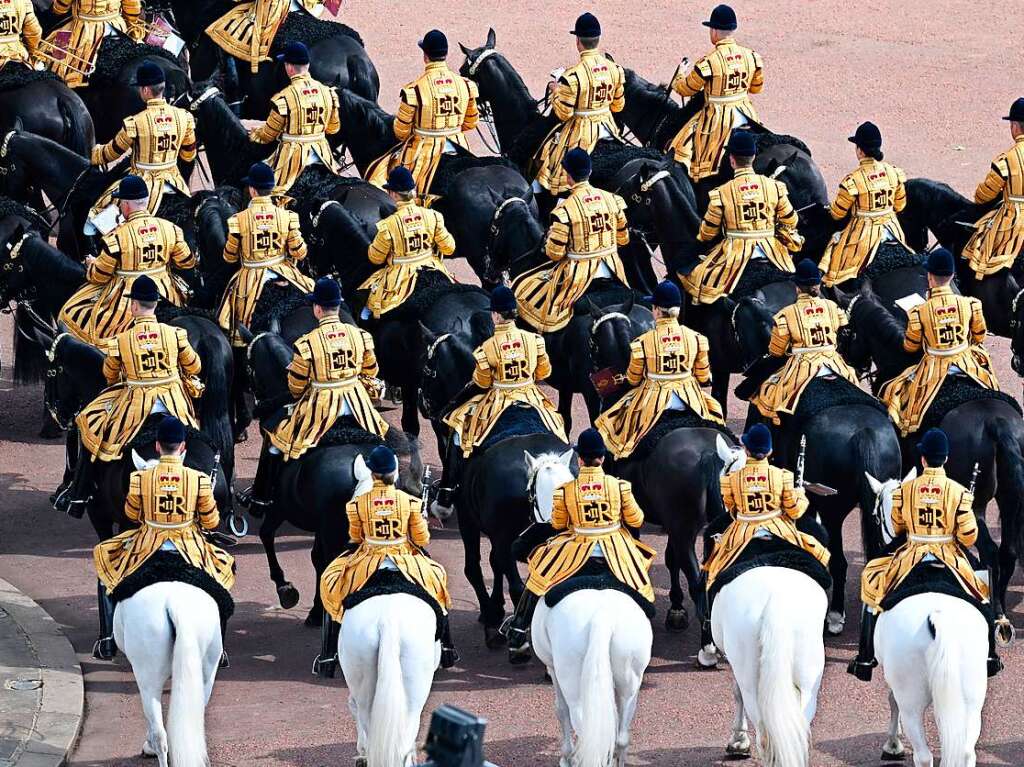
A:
[(835, 620), (287, 594), (676, 619), (315, 618), (410, 415), (892, 749), (470, 534), (565, 407), (739, 741), (500, 570), (565, 720)]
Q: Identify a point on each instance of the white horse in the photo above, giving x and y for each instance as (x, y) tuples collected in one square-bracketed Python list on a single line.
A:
[(172, 630), (596, 646), (388, 656), (768, 622), (933, 649)]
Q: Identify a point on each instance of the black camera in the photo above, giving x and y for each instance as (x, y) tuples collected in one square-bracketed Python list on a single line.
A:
[(455, 739)]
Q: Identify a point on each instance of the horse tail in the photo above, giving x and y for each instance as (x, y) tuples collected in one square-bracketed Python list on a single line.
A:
[(944, 658), (784, 738), (75, 136), (214, 405), (186, 733), (30, 361), (595, 733), (1009, 481), (868, 460), (710, 471), (360, 78), (386, 741)]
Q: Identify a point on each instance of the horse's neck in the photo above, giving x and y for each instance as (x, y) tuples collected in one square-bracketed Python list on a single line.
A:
[(55, 169), (54, 275), (224, 137), (378, 137), (513, 107)]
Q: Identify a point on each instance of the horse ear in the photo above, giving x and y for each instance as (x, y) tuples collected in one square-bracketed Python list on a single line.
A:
[(465, 51), (490, 38), (876, 486), (426, 334), (723, 449), (843, 299), (19, 126), (911, 475), (566, 457), (531, 462)]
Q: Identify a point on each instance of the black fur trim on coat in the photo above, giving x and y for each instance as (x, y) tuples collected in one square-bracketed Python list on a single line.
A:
[(385, 582), (596, 576), (165, 566)]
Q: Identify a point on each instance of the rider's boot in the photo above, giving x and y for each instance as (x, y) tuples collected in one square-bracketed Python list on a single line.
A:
[(326, 662), (105, 647), (451, 474), (995, 665), (449, 655), (517, 629), (225, 661), (74, 499), (260, 495), (862, 666), (232, 85)]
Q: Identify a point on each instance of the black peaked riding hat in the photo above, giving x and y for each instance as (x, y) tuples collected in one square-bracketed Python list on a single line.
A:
[(941, 263), (147, 74), (742, 144), (434, 43), (294, 53), (131, 188), (1016, 111), (587, 25), (171, 431), (503, 299), (144, 289), (261, 177), (326, 293), (934, 445), (807, 274), (577, 163), (867, 136), (666, 296), (400, 179), (590, 444), (758, 439), (382, 460), (723, 18)]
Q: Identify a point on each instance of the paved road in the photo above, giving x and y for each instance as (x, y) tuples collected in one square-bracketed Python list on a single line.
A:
[(930, 73)]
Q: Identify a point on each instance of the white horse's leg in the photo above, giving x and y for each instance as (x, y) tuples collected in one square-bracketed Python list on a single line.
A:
[(739, 743), (893, 747), (144, 633), (564, 719), (912, 717)]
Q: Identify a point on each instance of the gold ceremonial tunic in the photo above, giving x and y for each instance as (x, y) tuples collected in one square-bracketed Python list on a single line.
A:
[(438, 107), (806, 331), (389, 526), (761, 497), (756, 218), (76, 42), (667, 365), (142, 245), (936, 515), (727, 75), (173, 505), (19, 31), (586, 97), (156, 137), (410, 239), (999, 235), (508, 365), (591, 510), (144, 364), (247, 31), (871, 197), (586, 231), (267, 241), (952, 330), (301, 117), (327, 376)]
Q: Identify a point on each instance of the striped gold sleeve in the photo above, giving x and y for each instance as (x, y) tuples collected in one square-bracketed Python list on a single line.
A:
[(116, 147), (187, 150), (182, 256), (689, 85), (131, 10), (299, 371), (992, 186), (472, 116), (133, 501), (334, 115), (188, 360), (841, 205), (979, 329), (899, 200), (899, 524), (712, 222), (31, 31), (419, 533), (794, 499), (355, 522), (112, 367), (728, 499), (912, 335), (543, 360), (556, 244), (559, 510), (563, 104), (206, 506), (270, 130), (482, 374), (780, 338), (785, 215), (637, 362), (619, 95), (60, 7), (380, 248), (406, 114), (757, 78), (101, 271), (294, 242), (966, 523), (369, 368), (702, 362), (621, 224), (443, 239)]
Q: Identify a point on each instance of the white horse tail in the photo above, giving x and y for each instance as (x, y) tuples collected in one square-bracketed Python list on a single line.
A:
[(945, 658), (386, 739), (186, 728), (597, 725), (784, 740)]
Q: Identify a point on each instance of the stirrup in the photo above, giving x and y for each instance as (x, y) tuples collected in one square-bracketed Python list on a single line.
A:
[(77, 507), (506, 626), (862, 670), (995, 665), (319, 664), (449, 657), (225, 661), (105, 648)]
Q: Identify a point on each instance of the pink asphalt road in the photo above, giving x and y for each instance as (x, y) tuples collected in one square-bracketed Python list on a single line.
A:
[(936, 76)]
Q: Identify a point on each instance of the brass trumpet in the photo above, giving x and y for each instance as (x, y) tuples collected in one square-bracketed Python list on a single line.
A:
[(54, 56)]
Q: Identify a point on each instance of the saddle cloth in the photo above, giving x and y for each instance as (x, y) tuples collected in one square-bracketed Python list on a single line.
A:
[(933, 578), (166, 566), (596, 576), (387, 581)]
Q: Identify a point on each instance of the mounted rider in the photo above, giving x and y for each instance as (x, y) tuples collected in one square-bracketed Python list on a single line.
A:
[(301, 117), (391, 532), (332, 374), (142, 245), (587, 229), (727, 76), (951, 329), (435, 112), (870, 197), (592, 510), (937, 517), (668, 365), (583, 98), (151, 368), (266, 242), (408, 241), (157, 137), (74, 45), (804, 334), (247, 31), (174, 508), (756, 220), (509, 367), (998, 238), (20, 30), (761, 499)]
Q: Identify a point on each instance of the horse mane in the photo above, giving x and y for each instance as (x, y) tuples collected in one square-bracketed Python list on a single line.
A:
[(879, 320), (78, 355), (648, 99), (218, 120), (757, 274), (310, 30), (451, 165), (15, 76), (766, 139), (609, 157), (940, 199), (48, 264), (517, 226), (362, 111), (514, 87), (889, 257), (13, 209), (431, 287)]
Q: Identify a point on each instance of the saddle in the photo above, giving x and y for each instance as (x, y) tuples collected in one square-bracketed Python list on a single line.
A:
[(822, 393), (451, 165), (756, 274), (310, 30), (516, 421), (595, 576), (276, 302), (935, 578), (385, 582), (615, 163), (431, 286), (955, 391), (890, 257), (168, 566)]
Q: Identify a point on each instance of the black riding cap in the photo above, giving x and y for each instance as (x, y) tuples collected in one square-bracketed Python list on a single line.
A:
[(144, 289), (867, 136), (171, 431), (131, 188), (147, 74), (434, 44), (1016, 111), (326, 293), (587, 25), (722, 18)]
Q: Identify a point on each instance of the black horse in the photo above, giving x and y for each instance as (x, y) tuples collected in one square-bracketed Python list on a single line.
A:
[(337, 53), (985, 432), (312, 491), (76, 377), (938, 208)]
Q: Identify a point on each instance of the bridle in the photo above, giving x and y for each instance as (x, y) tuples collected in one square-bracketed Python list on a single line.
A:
[(13, 265), (597, 324), (428, 372), (542, 462), (52, 372), (495, 229), (865, 373)]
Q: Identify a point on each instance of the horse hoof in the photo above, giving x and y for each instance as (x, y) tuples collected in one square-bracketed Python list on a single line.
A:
[(50, 430), (834, 624), (739, 747), (493, 638), (707, 658), (887, 757), (315, 618), (288, 596), (361, 761), (1005, 632), (242, 436), (677, 620), (148, 752)]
